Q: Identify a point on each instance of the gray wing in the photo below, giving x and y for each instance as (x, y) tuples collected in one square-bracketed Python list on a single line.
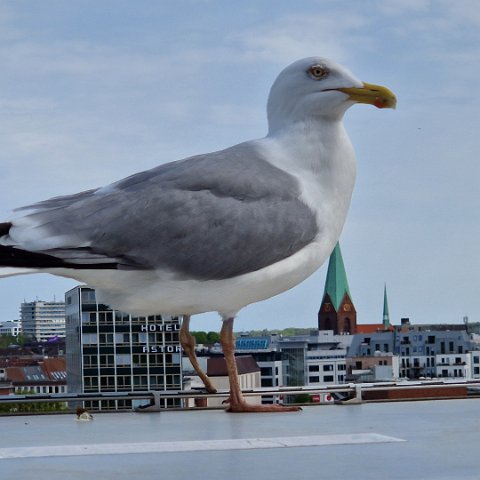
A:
[(212, 216)]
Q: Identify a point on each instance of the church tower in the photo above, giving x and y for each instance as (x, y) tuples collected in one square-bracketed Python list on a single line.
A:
[(337, 311), (386, 314)]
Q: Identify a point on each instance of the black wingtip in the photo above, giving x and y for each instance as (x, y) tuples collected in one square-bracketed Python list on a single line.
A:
[(5, 228), (18, 258)]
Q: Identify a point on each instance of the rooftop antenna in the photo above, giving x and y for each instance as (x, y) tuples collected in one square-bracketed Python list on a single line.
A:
[(465, 321)]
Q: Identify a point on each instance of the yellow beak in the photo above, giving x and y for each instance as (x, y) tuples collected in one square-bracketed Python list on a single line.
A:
[(376, 95)]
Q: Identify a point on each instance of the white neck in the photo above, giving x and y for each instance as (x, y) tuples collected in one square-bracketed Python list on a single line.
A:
[(320, 155)]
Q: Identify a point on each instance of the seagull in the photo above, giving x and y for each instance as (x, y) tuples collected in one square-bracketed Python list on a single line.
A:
[(216, 231)]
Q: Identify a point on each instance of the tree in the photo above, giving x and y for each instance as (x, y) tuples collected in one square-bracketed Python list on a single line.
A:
[(6, 340), (200, 337), (213, 337)]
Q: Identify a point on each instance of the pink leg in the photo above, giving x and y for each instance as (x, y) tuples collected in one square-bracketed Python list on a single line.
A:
[(188, 344), (237, 400)]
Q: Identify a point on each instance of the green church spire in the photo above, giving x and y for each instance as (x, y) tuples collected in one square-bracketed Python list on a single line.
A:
[(386, 315), (336, 284)]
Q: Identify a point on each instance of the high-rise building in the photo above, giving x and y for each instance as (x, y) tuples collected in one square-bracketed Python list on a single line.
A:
[(43, 320), (111, 351)]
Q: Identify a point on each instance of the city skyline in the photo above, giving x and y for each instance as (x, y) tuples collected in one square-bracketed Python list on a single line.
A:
[(93, 92)]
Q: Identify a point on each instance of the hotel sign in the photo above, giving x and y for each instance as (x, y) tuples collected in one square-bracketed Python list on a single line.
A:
[(161, 349), (158, 327), (154, 327)]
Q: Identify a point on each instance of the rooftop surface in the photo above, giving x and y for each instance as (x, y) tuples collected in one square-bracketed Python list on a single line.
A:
[(409, 440)]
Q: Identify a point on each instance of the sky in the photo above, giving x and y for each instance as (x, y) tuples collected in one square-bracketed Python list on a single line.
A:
[(91, 92)]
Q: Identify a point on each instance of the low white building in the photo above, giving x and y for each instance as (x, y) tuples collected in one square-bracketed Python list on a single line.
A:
[(248, 374), (317, 359), (455, 365), (12, 327)]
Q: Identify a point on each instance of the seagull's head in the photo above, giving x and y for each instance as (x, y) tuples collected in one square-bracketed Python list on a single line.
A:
[(317, 88)]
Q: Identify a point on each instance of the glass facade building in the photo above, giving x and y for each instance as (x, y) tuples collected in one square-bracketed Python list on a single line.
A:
[(111, 351)]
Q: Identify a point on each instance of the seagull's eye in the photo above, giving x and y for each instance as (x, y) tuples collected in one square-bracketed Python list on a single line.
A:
[(318, 71)]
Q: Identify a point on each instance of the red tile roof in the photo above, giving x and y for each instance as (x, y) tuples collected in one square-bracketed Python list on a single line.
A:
[(372, 328)]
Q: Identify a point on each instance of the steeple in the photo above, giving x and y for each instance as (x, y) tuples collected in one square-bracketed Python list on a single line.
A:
[(386, 315), (336, 284), (337, 311)]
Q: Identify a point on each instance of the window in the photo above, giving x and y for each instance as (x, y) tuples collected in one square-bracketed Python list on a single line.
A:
[(107, 361), (139, 360), (328, 368), (266, 371), (90, 361), (107, 383), (89, 339), (140, 382), (314, 368), (123, 359), (156, 382), (154, 359), (106, 338), (139, 338), (328, 378), (122, 338), (105, 318), (88, 296), (314, 379), (122, 318), (91, 384), (124, 382)]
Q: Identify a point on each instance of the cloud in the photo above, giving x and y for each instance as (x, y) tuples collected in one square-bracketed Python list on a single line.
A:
[(295, 36), (400, 7)]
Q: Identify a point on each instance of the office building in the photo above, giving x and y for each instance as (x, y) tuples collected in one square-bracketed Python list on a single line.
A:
[(43, 320), (111, 351)]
